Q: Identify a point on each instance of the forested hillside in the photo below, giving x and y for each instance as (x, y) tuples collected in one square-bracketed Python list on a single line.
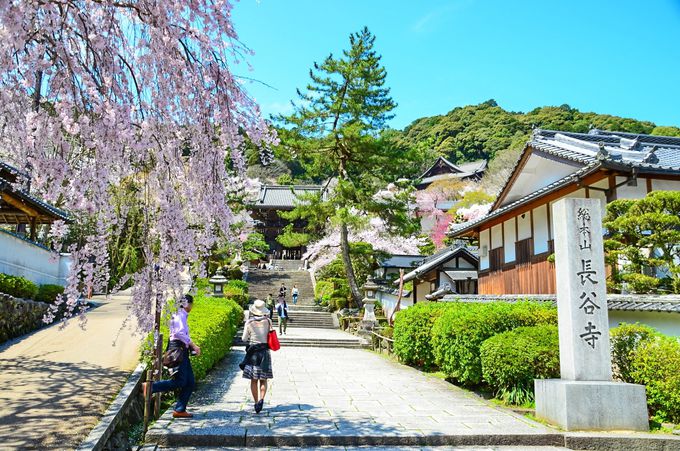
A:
[(482, 131), (488, 131)]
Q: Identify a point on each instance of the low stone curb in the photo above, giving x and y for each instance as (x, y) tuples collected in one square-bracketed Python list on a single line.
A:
[(114, 414), (618, 441)]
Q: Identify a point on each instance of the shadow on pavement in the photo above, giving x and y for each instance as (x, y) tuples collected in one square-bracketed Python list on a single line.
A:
[(48, 404)]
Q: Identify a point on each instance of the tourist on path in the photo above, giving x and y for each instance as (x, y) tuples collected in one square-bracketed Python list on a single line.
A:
[(283, 291), (184, 377), (270, 305), (282, 312), (295, 294), (257, 363)]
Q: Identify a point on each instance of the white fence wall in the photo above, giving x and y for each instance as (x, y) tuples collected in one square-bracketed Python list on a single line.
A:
[(22, 258)]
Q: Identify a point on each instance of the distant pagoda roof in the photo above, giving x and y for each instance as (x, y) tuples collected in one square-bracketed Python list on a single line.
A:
[(285, 197), (443, 169)]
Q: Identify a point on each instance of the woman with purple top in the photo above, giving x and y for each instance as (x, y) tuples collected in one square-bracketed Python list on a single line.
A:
[(184, 378)]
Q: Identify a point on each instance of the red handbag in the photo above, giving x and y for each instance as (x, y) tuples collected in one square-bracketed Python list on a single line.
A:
[(273, 341)]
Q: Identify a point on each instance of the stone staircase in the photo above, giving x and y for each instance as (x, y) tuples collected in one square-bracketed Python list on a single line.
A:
[(309, 325)]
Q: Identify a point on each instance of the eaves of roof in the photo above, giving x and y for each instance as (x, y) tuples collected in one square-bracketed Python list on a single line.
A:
[(573, 177), (5, 185), (435, 260)]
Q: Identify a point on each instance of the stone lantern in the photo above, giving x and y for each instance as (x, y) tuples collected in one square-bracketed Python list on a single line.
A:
[(370, 289), (218, 281)]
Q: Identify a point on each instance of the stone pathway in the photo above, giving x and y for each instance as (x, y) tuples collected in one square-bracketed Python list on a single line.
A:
[(57, 382), (344, 397)]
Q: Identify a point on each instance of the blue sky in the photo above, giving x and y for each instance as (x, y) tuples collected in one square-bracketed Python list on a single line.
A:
[(614, 57)]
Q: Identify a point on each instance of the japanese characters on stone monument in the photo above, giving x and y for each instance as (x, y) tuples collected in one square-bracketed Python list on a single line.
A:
[(585, 398), (582, 292)]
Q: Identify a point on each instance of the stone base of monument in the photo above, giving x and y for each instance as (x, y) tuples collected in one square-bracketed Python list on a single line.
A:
[(592, 405)]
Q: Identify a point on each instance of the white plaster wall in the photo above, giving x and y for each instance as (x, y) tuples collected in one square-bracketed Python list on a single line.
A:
[(537, 173), (496, 236), (540, 216), (20, 258), (665, 322), (509, 241), (484, 243), (389, 302), (462, 263), (665, 185), (524, 226), (631, 192)]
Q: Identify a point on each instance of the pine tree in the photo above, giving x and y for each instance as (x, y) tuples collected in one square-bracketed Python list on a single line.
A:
[(335, 130)]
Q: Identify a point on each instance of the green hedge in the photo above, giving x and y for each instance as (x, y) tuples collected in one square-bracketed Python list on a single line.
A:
[(48, 293), (324, 290), (459, 333), (656, 364), (625, 341), (512, 360), (17, 286), (212, 324), (238, 284), (413, 332)]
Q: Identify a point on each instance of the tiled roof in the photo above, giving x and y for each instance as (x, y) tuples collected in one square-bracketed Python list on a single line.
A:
[(621, 302), (284, 196), (38, 204), (458, 229), (462, 170), (440, 257), (614, 150), (402, 261)]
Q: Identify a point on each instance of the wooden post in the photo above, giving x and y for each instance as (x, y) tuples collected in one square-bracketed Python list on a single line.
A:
[(159, 361), (147, 400)]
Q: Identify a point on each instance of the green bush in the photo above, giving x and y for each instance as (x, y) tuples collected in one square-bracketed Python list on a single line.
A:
[(656, 364), (512, 360), (641, 283), (48, 293), (413, 332), (237, 295), (625, 341), (17, 286), (458, 334), (323, 290), (212, 324), (239, 284)]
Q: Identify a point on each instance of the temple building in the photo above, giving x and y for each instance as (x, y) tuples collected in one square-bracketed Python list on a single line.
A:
[(443, 169), (272, 200), (23, 218), (516, 236)]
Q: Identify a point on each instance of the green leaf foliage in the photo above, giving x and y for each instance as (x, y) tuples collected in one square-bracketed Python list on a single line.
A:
[(212, 324), (17, 286), (48, 293), (459, 333), (512, 360), (324, 290), (625, 341), (413, 332), (656, 364), (643, 235)]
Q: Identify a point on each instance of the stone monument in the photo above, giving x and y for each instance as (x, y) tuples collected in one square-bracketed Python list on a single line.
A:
[(586, 397)]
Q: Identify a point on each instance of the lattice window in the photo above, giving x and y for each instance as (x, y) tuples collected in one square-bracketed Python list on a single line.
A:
[(523, 250)]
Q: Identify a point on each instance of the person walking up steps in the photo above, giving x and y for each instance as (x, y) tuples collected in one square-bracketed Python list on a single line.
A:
[(283, 291), (295, 294), (184, 378), (257, 363), (282, 312)]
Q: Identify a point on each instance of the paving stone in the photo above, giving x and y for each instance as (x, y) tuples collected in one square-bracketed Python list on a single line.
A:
[(349, 397)]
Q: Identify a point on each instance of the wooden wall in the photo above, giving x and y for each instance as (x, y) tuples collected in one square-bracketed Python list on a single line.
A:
[(536, 277)]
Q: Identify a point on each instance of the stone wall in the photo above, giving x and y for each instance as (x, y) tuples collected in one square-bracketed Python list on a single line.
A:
[(19, 316)]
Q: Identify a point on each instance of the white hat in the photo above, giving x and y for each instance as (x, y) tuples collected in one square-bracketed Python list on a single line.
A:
[(258, 308)]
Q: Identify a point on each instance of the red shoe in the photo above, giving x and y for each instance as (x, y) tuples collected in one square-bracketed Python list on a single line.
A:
[(185, 414)]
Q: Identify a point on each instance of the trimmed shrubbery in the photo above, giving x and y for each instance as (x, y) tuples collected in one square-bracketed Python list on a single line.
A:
[(413, 332), (459, 333), (17, 286), (238, 284), (48, 293), (212, 323), (625, 341), (324, 290), (513, 359)]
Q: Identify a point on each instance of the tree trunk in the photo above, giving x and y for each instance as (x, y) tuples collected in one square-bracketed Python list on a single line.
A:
[(349, 269)]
